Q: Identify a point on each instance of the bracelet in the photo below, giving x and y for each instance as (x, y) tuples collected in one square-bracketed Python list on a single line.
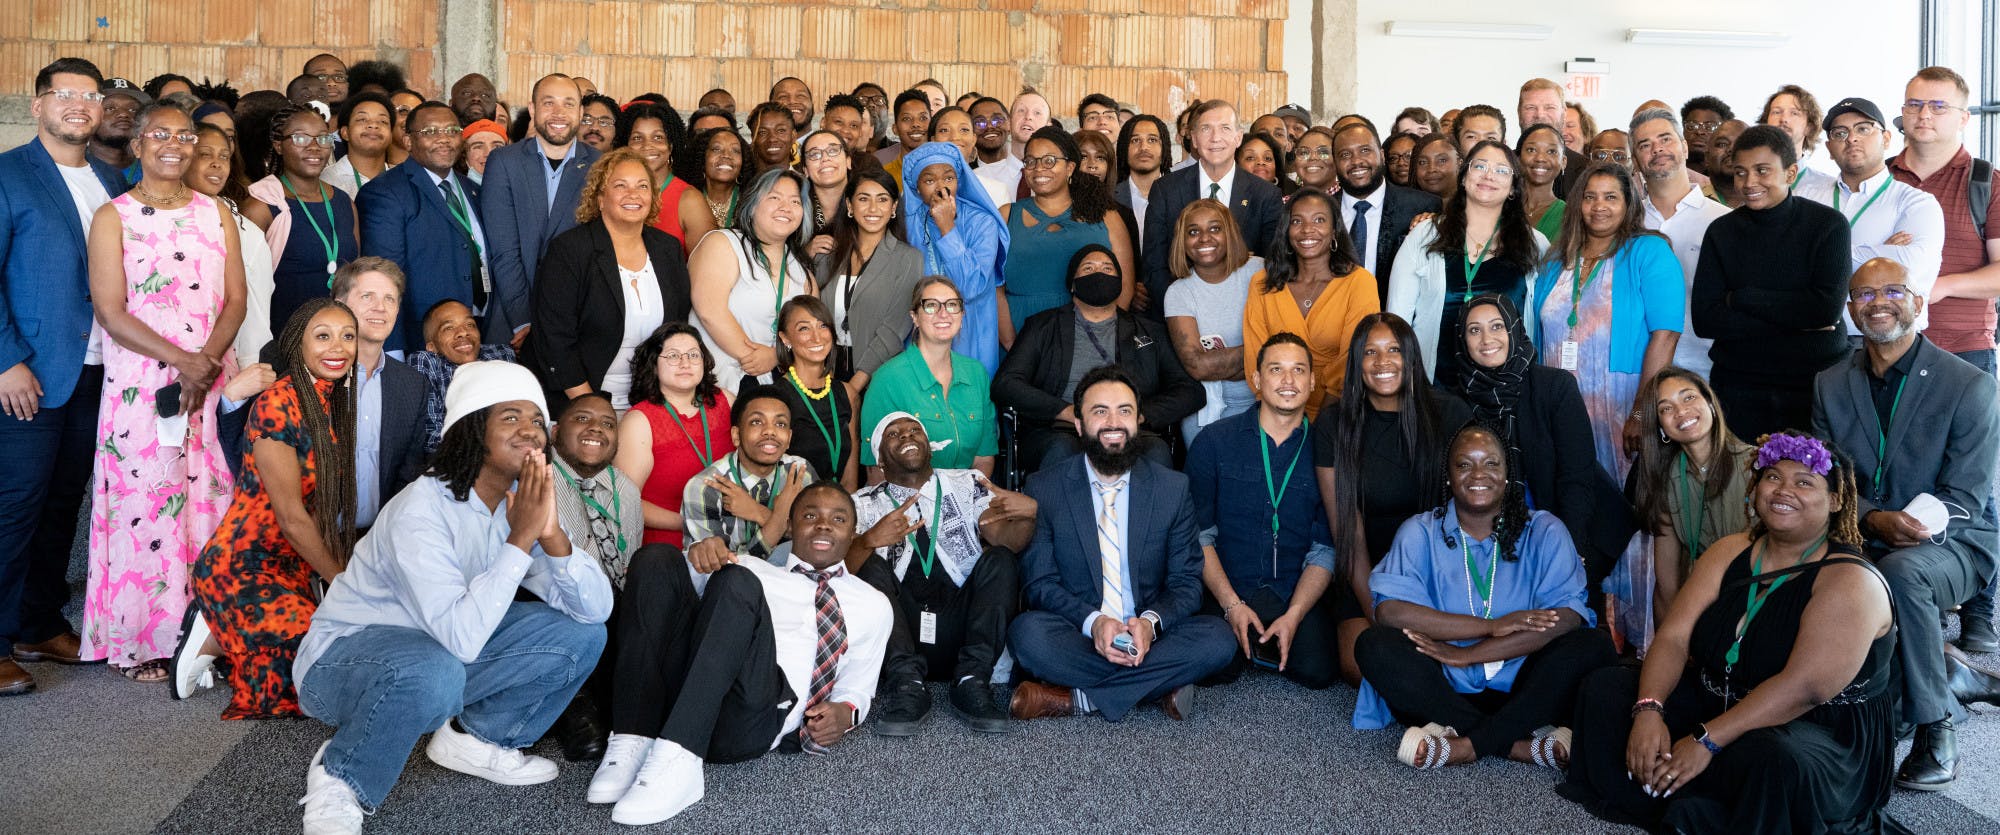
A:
[(1644, 705), (1225, 609)]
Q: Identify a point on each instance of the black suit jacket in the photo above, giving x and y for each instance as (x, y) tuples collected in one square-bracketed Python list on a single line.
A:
[(1061, 571), (1032, 376), (580, 309), (1400, 207), (400, 449), (1257, 206)]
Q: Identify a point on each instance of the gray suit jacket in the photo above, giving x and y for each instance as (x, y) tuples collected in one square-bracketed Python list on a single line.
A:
[(878, 314), (1943, 442), (519, 220)]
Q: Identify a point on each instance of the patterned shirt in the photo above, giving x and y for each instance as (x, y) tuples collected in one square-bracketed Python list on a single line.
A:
[(958, 547), (439, 372), (701, 505), (612, 541)]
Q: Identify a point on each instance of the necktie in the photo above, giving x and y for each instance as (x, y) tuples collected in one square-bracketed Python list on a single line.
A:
[(1359, 233), (603, 531), (826, 653), (1109, 552), (762, 493), (1213, 190), (464, 222)]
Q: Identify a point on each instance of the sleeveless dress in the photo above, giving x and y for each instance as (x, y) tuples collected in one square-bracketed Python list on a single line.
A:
[(1830, 770), (251, 584), (153, 506), (669, 218), (676, 458), (754, 302), (1038, 256), (817, 424), (299, 271)]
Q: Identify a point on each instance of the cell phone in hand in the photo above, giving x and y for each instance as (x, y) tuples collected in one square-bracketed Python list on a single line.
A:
[(1264, 653), (167, 401), (1211, 342), (1124, 643)]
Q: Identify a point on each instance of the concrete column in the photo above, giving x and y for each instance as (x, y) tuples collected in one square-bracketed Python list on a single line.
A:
[(469, 41), (1335, 72)]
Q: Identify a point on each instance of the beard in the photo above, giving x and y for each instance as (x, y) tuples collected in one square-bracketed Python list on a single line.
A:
[(1362, 189), (1112, 462)]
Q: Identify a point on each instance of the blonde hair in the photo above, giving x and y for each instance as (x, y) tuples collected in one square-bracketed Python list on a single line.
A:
[(1235, 253), (593, 183)]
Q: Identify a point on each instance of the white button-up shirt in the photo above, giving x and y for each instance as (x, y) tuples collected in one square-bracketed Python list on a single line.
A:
[(1349, 210), (795, 632), (1227, 182), (1685, 230), (1896, 207)]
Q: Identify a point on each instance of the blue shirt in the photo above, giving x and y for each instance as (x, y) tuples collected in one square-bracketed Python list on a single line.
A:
[(368, 442), (1422, 569), (1122, 501), (552, 174), (1232, 504)]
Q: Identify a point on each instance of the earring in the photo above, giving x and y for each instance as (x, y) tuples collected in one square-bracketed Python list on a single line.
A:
[(1663, 437)]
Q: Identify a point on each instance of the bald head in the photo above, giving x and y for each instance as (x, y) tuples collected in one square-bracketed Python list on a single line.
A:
[(1882, 303)]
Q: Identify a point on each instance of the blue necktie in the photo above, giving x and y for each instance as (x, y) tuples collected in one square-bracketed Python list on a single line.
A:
[(1360, 231)]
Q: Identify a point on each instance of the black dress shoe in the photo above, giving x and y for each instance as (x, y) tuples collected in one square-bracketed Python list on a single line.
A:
[(1977, 634), (581, 730), (973, 700), (901, 708), (1968, 683), (1933, 761)]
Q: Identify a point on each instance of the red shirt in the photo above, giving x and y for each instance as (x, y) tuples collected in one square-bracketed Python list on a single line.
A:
[(669, 219), (676, 458), (1957, 325)]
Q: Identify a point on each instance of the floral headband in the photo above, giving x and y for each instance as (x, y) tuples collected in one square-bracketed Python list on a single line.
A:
[(1801, 448)]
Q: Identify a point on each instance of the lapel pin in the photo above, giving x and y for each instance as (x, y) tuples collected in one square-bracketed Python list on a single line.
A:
[(1245, 203)]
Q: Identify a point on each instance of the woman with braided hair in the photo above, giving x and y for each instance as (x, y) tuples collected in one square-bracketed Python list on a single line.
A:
[(309, 224), (1481, 634), (292, 521)]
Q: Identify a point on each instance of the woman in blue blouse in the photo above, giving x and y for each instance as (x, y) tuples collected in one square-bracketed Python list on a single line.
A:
[(952, 222), (1481, 630)]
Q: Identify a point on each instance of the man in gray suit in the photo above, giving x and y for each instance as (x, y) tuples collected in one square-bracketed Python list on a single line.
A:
[(527, 197), (1916, 420)]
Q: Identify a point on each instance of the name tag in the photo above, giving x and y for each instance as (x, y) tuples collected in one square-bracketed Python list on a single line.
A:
[(1569, 355), (927, 627)]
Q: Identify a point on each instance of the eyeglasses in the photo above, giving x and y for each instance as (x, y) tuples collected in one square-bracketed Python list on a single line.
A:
[(67, 96), (1043, 161), (817, 154), (1863, 130), (1703, 127), (1892, 292), (1315, 153), (1610, 156), (435, 131), (324, 140), (874, 101), (932, 307), (992, 122), (186, 137), (598, 122), (679, 357), (333, 78), (1400, 159), (1497, 170), (1935, 107)]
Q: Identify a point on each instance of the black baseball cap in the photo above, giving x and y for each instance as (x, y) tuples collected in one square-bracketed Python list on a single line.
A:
[(1862, 106)]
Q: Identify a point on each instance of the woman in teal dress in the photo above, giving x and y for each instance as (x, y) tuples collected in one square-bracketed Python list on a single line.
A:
[(1067, 210)]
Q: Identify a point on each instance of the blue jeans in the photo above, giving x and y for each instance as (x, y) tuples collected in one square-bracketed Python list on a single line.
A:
[(1980, 607), (384, 687)]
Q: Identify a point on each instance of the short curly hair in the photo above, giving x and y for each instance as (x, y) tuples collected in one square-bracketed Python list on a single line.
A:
[(600, 171)]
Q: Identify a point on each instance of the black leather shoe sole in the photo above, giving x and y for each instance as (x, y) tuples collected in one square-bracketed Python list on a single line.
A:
[(1929, 783)]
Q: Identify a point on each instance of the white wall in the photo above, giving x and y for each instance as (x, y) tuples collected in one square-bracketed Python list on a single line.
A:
[(1837, 48)]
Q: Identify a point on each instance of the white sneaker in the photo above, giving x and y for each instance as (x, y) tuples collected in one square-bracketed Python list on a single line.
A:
[(189, 671), (466, 754), (667, 784), (331, 808), (623, 754)]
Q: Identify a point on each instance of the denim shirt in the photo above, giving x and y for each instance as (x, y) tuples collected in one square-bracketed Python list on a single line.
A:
[(1232, 504)]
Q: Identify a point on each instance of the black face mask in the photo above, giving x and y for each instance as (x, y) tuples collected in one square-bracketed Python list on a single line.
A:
[(1096, 289)]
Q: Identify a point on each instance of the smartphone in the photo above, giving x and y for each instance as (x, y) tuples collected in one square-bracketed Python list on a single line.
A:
[(167, 401), (1124, 643), (1212, 342), (1264, 653)]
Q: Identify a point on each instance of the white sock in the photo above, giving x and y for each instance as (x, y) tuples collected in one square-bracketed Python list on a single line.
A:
[(1081, 701)]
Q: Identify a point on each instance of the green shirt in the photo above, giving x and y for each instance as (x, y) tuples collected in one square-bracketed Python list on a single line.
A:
[(1552, 220), (963, 415)]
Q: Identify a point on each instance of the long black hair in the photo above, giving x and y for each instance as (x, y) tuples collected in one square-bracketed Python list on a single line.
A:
[(1513, 518), (329, 427), (461, 453), (1423, 432), (1516, 241), (1282, 268), (1089, 197), (1123, 170), (846, 231)]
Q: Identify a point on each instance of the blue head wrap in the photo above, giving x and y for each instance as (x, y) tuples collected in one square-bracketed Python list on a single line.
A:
[(971, 197)]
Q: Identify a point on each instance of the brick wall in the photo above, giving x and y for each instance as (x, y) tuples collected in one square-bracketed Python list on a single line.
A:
[(1157, 53)]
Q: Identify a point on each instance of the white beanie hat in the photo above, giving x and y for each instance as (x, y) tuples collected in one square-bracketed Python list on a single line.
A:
[(478, 385), (882, 428)]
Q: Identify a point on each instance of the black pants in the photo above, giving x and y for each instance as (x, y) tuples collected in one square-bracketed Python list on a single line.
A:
[(1544, 690), (45, 465), (1760, 408), (971, 619), (1313, 662), (704, 672)]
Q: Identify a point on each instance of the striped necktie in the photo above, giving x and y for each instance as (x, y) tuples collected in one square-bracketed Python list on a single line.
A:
[(832, 645), (1110, 551)]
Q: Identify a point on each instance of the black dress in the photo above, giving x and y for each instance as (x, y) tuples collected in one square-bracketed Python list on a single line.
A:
[(1392, 488), (812, 440), (1830, 770)]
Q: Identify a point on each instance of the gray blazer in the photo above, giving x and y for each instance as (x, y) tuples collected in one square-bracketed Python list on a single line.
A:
[(878, 313), (520, 219), (1943, 442)]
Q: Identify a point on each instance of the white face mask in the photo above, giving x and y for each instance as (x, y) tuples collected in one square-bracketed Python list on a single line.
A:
[(1931, 512)]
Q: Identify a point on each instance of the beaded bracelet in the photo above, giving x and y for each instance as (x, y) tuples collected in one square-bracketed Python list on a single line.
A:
[(1643, 705)]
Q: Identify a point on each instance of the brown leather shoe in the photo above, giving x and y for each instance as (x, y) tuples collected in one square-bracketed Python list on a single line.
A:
[(14, 681), (1034, 700), (66, 648), (1179, 704)]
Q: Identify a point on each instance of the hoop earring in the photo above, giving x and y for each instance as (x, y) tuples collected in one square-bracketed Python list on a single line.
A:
[(1663, 437)]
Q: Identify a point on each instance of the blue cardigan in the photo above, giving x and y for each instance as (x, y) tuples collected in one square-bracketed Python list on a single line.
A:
[(1648, 293)]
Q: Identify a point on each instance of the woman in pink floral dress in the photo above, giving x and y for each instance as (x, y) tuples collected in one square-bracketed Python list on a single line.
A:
[(167, 285)]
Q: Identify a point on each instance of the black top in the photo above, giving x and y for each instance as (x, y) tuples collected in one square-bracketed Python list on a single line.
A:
[(1034, 376), (809, 439), (1392, 487), (1494, 276), (1769, 290), (1885, 390)]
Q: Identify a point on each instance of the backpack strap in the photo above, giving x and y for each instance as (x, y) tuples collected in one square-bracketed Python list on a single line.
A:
[(1979, 192)]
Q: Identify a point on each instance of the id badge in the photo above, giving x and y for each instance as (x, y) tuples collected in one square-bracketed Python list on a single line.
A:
[(1569, 355), (927, 627), (1493, 668)]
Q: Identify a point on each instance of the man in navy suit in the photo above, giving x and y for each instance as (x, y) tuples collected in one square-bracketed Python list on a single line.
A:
[(426, 219), (529, 195), (1257, 205), (1378, 212), (1112, 577), (50, 374)]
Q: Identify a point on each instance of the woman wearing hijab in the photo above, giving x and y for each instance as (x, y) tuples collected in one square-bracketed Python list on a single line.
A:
[(961, 237), (1539, 413)]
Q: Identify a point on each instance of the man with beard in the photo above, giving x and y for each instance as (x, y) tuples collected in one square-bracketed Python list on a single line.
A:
[(1381, 211), (425, 217), (51, 375), (1721, 185), (528, 196), (876, 102), (772, 139), (1674, 207), (948, 542), (1920, 425), (847, 117), (473, 98), (989, 126), (797, 99), (1888, 218), (451, 340), (913, 119), (599, 125), (1112, 578), (331, 73), (111, 144)]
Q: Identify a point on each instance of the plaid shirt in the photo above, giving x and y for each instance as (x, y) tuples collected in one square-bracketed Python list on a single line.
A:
[(701, 505), (439, 372)]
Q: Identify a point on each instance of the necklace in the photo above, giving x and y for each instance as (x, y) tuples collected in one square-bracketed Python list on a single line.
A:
[(816, 395), (722, 211), (1472, 578), (158, 200)]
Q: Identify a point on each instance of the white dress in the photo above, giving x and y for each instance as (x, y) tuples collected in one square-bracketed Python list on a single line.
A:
[(753, 301), (644, 313)]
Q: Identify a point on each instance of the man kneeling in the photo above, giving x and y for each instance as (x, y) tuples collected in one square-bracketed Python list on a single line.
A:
[(422, 631), (773, 655)]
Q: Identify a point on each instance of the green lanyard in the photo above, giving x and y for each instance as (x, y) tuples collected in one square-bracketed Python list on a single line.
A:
[(458, 214), (613, 515), (1578, 281), (778, 299), (706, 450), (1276, 492), (1756, 601), (833, 439), (1796, 178), (1692, 501), (1882, 438), (327, 238), (1864, 206), (1484, 586), (1472, 263), (929, 557), (777, 480)]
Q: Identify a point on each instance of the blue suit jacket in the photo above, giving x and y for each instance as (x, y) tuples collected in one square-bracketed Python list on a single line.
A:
[(519, 223), (404, 219), (1061, 571), (45, 310)]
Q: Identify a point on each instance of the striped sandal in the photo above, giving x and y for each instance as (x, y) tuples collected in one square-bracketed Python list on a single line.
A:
[(1426, 748), (1550, 748)]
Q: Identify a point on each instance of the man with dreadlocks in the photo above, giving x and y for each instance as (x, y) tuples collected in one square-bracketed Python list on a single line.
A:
[(423, 632), (1482, 681)]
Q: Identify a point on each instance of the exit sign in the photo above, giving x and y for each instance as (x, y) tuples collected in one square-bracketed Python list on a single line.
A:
[(1584, 86)]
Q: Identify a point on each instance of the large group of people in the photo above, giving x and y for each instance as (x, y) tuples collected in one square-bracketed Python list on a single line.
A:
[(683, 438)]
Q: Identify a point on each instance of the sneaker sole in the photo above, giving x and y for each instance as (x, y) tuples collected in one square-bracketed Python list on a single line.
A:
[(897, 729), (186, 653)]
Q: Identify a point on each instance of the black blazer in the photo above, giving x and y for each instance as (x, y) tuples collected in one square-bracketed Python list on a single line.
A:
[(401, 456), (1256, 205), (1400, 207), (580, 309), (1559, 462), (1032, 376)]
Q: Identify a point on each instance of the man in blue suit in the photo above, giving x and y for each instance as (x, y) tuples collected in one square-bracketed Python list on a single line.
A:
[(426, 219), (529, 195), (1257, 206), (1112, 577), (50, 376)]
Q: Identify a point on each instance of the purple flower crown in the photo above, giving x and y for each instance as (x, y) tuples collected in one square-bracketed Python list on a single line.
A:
[(1804, 449)]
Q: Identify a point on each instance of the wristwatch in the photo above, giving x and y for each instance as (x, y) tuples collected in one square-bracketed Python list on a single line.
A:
[(1153, 618), (1702, 737)]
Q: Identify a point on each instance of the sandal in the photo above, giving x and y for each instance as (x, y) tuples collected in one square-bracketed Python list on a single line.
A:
[(148, 672), (1426, 748), (1550, 748)]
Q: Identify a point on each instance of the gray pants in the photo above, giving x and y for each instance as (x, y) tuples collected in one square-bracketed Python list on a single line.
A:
[(1924, 581)]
